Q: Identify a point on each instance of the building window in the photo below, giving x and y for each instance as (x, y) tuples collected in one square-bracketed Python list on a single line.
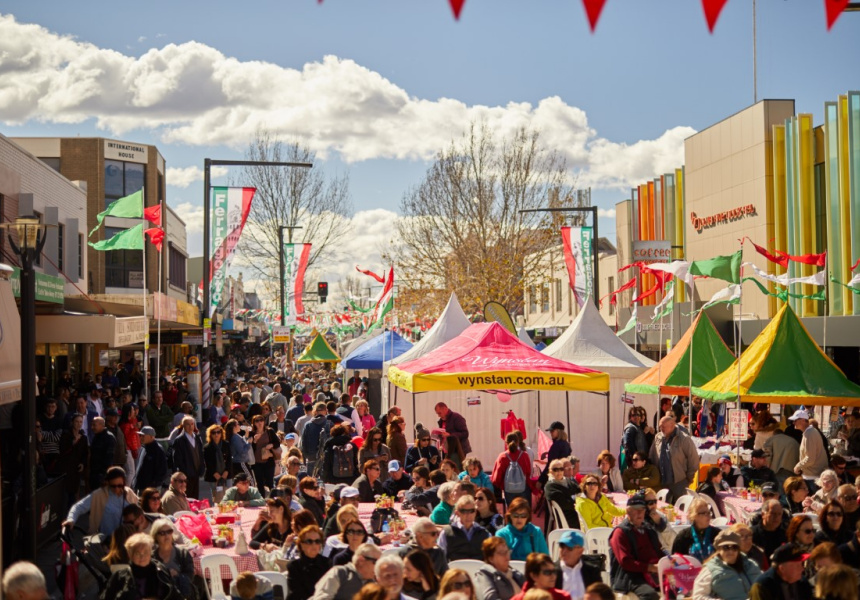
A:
[(611, 283), (123, 268), (532, 300), (558, 295), (544, 297), (80, 256), (176, 268), (569, 302), (122, 179), (61, 254), (54, 163)]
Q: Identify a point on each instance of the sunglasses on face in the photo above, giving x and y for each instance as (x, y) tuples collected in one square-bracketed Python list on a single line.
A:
[(312, 542), (730, 547), (480, 499), (369, 559), (591, 483), (520, 516), (165, 532), (849, 498), (705, 513), (651, 503), (548, 572), (466, 511), (355, 532), (807, 530), (118, 486), (556, 469), (834, 515), (638, 459), (459, 585)]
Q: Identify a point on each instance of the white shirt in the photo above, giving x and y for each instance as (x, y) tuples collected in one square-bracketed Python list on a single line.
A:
[(572, 580), (191, 439)]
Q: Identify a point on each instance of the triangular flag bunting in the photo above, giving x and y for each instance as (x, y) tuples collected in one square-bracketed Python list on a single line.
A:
[(729, 295), (727, 268), (666, 305), (370, 273), (130, 239), (834, 8), (457, 6), (153, 214), (593, 8), (156, 236), (130, 207), (855, 264), (630, 324), (781, 260), (713, 8)]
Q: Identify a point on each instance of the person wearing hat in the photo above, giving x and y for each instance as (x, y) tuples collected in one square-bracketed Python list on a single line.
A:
[(560, 448), (151, 468), (398, 480), (784, 579), (636, 550), (757, 472), (576, 570), (422, 453), (729, 574), (813, 455), (731, 474), (243, 492)]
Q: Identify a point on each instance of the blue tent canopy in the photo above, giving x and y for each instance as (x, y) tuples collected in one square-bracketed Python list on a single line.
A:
[(370, 354)]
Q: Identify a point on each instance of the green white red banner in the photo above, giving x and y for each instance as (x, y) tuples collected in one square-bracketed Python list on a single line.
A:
[(296, 258), (229, 209)]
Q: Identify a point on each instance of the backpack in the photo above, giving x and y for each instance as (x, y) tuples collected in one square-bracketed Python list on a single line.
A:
[(515, 479), (343, 461)]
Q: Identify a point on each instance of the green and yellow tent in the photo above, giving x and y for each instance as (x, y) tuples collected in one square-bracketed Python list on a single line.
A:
[(318, 351), (783, 365), (671, 375)]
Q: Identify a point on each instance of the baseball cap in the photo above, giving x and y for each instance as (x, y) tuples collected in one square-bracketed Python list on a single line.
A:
[(572, 539), (111, 412), (637, 501), (727, 538), (240, 477), (799, 414), (758, 453), (222, 390), (787, 553), (393, 466), (769, 488), (290, 436), (147, 430), (556, 425), (724, 459), (236, 407), (349, 492)]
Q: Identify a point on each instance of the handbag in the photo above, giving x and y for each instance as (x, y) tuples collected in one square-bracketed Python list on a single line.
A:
[(195, 526), (679, 578)]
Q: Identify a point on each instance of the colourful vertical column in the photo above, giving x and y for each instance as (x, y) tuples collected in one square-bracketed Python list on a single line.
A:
[(844, 194), (853, 179), (806, 209), (680, 238), (835, 258), (792, 233)]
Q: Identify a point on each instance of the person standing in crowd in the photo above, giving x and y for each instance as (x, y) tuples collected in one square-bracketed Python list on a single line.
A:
[(52, 431), (267, 450), (218, 461), (397, 439), (785, 577), (152, 465), (104, 505), (783, 454), (120, 452), (74, 457), (159, 414), (240, 449), (188, 456), (101, 453), (374, 448), (636, 550), (560, 448), (676, 457), (454, 425), (129, 426), (633, 438), (339, 457), (757, 472), (365, 418), (813, 456), (314, 434), (512, 470)]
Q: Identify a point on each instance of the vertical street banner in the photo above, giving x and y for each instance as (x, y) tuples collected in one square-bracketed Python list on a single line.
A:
[(577, 243), (229, 211), (295, 262)]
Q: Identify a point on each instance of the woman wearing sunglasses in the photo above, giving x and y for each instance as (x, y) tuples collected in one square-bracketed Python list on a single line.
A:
[(595, 508), (304, 572), (457, 580), (541, 574), (831, 518), (353, 534), (801, 532), (697, 539), (373, 448), (521, 536), (176, 559), (561, 490), (488, 514), (729, 573)]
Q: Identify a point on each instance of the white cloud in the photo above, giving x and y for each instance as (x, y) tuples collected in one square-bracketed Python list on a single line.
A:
[(191, 93), (192, 215), (607, 213), (141, 39), (182, 177)]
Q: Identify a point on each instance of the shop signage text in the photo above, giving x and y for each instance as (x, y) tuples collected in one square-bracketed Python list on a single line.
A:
[(700, 223), (652, 251), (127, 152), (48, 287), (130, 331)]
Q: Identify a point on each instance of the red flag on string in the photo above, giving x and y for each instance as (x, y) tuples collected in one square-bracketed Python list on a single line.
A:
[(153, 214), (647, 293), (713, 8), (370, 273), (834, 9), (593, 8), (855, 264), (156, 236), (663, 277), (817, 260), (781, 260), (623, 288), (457, 6)]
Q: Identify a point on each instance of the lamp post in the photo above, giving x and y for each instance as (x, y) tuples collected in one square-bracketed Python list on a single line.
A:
[(31, 240)]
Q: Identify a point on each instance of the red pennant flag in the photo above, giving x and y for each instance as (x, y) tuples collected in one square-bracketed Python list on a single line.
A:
[(817, 260), (650, 292), (663, 277), (713, 8), (457, 6), (153, 214), (593, 8), (370, 273), (855, 264), (156, 236), (834, 8), (623, 288), (780, 260)]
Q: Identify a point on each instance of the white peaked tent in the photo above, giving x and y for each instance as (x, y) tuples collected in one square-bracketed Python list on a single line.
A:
[(348, 346), (590, 342), (524, 337), (483, 411)]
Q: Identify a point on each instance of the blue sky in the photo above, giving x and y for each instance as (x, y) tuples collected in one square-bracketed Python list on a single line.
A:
[(651, 68)]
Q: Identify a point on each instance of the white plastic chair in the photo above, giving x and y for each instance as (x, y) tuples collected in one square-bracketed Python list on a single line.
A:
[(582, 524), (721, 522), (277, 578), (715, 510), (662, 495), (733, 513), (215, 564), (682, 503), (470, 566), (813, 517), (558, 519), (519, 565), (554, 537), (597, 540), (666, 562), (391, 552)]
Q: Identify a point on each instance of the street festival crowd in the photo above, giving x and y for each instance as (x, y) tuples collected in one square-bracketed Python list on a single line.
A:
[(355, 506)]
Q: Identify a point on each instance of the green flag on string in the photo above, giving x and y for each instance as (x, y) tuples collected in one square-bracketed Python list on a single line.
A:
[(784, 294), (358, 308), (130, 207), (630, 324), (727, 268), (130, 239)]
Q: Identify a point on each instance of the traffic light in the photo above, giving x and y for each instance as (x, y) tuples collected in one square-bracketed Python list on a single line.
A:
[(322, 291)]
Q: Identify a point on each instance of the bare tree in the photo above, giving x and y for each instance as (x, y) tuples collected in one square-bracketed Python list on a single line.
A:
[(317, 202), (461, 228)]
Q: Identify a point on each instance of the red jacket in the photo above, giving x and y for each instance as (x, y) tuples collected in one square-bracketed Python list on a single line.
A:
[(556, 593), (502, 462), (132, 439)]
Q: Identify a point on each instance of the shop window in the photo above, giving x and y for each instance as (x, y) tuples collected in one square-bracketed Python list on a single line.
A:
[(176, 268), (61, 254), (532, 300), (544, 297), (122, 179), (80, 256), (558, 295), (123, 268)]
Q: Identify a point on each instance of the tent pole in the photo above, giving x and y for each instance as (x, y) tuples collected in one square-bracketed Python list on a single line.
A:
[(538, 423), (608, 424), (567, 405), (414, 412)]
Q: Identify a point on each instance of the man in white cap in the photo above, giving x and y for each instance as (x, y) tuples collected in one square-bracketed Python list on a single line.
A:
[(813, 457), (398, 480)]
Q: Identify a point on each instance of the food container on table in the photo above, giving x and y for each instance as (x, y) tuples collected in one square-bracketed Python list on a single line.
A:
[(225, 518)]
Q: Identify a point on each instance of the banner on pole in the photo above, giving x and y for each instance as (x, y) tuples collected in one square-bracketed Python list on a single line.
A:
[(229, 209), (577, 243), (280, 335), (296, 258), (738, 424)]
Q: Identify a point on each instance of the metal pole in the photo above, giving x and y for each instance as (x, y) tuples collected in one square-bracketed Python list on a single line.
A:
[(206, 225), (596, 258), (282, 269), (609, 421), (755, 59), (567, 406)]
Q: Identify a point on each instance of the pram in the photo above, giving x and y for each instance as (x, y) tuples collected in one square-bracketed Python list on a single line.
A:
[(88, 551)]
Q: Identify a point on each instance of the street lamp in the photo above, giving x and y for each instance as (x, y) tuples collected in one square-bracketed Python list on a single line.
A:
[(31, 240)]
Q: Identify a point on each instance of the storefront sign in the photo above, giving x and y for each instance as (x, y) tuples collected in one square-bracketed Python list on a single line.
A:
[(738, 424), (192, 339), (128, 152), (130, 331), (735, 214), (659, 250), (281, 335), (48, 287)]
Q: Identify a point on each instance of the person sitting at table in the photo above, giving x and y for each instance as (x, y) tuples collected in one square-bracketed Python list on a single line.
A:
[(840, 467), (309, 567), (757, 472), (117, 556), (541, 574), (441, 514), (243, 492), (713, 483), (462, 538), (429, 498), (398, 480), (342, 496), (769, 534), (828, 489), (277, 526), (831, 520), (145, 579), (420, 482), (610, 476), (801, 533), (654, 519), (496, 580), (576, 570), (728, 574), (697, 539), (847, 497), (353, 534), (174, 499), (299, 520), (636, 550), (732, 476), (286, 488), (334, 543), (422, 453), (595, 507), (796, 498), (250, 586), (561, 490), (150, 501), (310, 498), (344, 582), (176, 559), (521, 535), (473, 470), (488, 513), (368, 484), (640, 473), (424, 538), (752, 551)]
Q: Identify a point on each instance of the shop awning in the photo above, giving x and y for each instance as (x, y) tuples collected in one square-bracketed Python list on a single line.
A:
[(116, 332), (10, 345)]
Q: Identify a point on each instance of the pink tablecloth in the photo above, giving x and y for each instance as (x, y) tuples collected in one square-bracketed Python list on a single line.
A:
[(246, 562), (744, 508)]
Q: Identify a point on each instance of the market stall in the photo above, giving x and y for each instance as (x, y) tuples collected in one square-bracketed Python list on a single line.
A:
[(318, 351), (374, 352)]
